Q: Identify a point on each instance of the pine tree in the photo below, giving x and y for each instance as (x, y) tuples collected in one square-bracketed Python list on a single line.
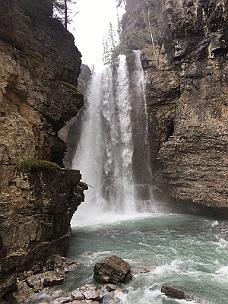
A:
[(63, 12)]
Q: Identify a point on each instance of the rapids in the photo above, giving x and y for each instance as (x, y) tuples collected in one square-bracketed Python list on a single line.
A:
[(185, 251)]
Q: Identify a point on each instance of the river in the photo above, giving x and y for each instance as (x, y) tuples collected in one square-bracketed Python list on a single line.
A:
[(185, 251), (119, 215)]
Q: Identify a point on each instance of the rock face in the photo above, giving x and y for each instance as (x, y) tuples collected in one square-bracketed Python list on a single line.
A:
[(184, 48), (38, 94), (112, 270), (36, 220)]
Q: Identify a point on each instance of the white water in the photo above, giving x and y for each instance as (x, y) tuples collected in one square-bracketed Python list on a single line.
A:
[(185, 251), (112, 154)]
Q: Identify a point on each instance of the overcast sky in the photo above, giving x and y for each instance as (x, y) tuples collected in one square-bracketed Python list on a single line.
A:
[(90, 25)]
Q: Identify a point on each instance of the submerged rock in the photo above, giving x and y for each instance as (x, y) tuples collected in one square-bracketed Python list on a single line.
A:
[(112, 270), (174, 292)]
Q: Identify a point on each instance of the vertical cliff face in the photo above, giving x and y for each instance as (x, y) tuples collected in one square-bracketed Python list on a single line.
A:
[(38, 94), (184, 48), (35, 221)]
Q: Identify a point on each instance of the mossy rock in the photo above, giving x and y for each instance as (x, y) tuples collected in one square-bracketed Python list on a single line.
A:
[(37, 164)]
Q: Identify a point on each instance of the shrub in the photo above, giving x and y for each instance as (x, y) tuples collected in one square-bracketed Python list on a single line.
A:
[(37, 164)]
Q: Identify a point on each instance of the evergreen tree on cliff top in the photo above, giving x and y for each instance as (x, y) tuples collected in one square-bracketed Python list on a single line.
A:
[(61, 8)]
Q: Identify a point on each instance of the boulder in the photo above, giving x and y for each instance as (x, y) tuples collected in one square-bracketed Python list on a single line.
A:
[(174, 292), (112, 270)]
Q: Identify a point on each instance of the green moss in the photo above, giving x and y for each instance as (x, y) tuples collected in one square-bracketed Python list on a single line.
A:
[(37, 164)]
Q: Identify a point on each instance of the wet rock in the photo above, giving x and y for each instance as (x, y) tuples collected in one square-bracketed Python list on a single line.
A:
[(77, 295), (90, 292), (52, 280), (34, 282), (46, 279), (55, 262), (33, 285), (174, 292), (35, 101), (112, 270), (62, 300), (23, 292), (107, 293), (70, 265)]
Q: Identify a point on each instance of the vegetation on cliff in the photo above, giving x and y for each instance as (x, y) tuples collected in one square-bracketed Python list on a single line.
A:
[(37, 164)]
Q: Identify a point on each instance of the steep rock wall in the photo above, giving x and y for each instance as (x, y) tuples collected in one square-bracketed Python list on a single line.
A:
[(184, 46), (35, 221), (38, 94)]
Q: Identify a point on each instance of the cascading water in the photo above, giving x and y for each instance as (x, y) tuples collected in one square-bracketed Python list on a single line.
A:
[(141, 157), (126, 141), (112, 154)]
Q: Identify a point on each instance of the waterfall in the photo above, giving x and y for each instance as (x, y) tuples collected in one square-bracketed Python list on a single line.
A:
[(126, 142), (112, 153), (141, 157)]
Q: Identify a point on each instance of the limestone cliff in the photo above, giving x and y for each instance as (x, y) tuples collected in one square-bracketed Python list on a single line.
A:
[(184, 46), (38, 94)]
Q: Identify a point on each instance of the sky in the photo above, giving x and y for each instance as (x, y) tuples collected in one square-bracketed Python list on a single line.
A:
[(90, 26)]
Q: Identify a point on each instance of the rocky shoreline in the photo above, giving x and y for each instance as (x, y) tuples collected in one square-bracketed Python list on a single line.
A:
[(111, 276)]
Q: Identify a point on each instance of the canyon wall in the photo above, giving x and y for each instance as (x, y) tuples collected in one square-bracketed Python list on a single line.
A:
[(38, 94), (184, 46)]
